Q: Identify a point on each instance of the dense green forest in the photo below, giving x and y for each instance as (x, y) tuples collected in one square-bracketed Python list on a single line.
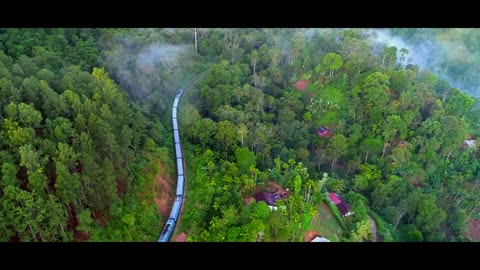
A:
[(77, 153), (85, 123)]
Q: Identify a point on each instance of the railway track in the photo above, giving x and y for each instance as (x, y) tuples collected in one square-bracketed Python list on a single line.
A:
[(177, 206)]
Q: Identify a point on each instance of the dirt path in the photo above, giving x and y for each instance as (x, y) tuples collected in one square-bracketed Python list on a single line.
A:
[(373, 226)]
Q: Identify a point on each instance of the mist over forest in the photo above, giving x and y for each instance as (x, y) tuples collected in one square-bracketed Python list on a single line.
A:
[(452, 54)]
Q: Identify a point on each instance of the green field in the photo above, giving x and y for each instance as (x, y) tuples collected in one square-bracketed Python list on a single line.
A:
[(327, 119), (330, 93)]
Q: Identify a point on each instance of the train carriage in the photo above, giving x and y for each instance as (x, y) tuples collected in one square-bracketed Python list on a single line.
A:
[(180, 183), (167, 230), (176, 136), (179, 93), (178, 150), (175, 125), (177, 204), (180, 166)]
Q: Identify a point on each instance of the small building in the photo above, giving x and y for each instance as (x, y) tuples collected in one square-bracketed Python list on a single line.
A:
[(323, 131), (271, 197), (342, 206), (320, 239), (469, 143)]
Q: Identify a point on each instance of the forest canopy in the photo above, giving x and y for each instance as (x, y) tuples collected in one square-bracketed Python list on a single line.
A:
[(85, 128)]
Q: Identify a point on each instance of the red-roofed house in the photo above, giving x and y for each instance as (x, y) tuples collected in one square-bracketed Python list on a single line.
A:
[(271, 197), (336, 200), (323, 131), (342, 206)]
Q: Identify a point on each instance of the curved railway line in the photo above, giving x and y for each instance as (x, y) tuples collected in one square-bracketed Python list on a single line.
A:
[(174, 217), (179, 195)]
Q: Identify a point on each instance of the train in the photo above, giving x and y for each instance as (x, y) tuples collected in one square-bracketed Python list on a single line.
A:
[(179, 195)]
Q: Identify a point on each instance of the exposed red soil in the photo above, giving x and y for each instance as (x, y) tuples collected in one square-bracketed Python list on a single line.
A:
[(102, 220), (80, 236), (310, 235), (163, 191), (248, 200), (182, 237), (474, 229), (272, 186), (72, 222), (417, 181), (121, 187), (302, 84)]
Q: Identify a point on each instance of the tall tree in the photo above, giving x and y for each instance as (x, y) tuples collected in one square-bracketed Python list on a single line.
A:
[(337, 148), (333, 62)]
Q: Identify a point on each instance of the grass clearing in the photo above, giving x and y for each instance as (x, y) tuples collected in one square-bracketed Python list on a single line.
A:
[(326, 224), (335, 95)]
